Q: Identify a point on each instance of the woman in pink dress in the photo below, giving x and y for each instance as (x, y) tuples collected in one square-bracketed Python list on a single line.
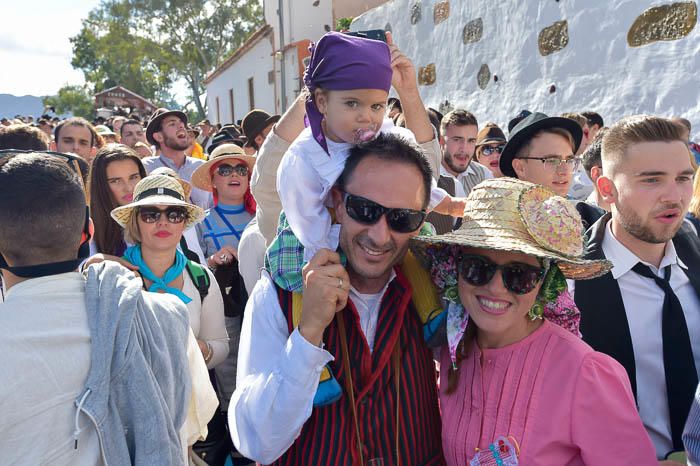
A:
[(517, 384)]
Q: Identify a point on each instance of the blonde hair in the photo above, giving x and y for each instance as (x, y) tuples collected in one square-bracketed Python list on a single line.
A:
[(635, 130), (695, 201), (132, 234)]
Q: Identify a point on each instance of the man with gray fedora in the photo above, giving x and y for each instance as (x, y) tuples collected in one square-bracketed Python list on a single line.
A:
[(167, 131), (542, 150)]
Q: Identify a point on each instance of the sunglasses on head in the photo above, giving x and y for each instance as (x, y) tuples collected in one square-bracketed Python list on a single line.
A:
[(517, 277), (173, 214), (369, 212), (226, 170), (488, 150)]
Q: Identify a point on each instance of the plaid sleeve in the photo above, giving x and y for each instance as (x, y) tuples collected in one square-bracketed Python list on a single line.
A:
[(285, 258)]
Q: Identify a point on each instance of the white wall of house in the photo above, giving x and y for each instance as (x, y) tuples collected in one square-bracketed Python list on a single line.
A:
[(597, 70), (256, 63)]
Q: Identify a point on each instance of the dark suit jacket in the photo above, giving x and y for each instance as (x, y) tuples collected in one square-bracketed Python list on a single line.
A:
[(604, 323)]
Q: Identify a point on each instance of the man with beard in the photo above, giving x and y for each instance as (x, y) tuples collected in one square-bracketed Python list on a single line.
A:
[(458, 172), (167, 131), (646, 312), (357, 317), (458, 131)]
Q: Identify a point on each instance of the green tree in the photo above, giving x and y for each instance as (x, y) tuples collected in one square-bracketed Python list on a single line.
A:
[(110, 54), (72, 99), (145, 45)]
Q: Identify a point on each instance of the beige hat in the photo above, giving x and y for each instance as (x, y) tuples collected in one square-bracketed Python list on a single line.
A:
[(167, 171), (158, 190), (201, 178), (508, 214)]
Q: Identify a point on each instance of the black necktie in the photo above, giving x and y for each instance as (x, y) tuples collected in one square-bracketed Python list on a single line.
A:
[(679, 365)]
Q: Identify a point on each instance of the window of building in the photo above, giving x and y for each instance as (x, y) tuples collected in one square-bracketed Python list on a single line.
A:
[(251, 93), (230, 101), (218, 111)]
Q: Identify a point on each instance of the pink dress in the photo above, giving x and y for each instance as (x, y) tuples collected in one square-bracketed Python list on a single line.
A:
[(560, 401)]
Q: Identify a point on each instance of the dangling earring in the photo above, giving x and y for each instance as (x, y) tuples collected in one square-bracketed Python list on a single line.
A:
[(536, 311)]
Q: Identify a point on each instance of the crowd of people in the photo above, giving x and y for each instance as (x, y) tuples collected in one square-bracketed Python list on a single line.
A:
[(359, 281)]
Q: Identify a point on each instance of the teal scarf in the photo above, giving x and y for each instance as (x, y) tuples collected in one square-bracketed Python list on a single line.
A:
[(133, 255)]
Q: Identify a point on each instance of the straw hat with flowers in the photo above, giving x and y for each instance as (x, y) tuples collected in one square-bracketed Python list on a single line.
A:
[(508, 214), (158, 190), (201, 178)]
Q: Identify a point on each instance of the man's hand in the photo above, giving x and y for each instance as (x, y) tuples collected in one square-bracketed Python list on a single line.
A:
[(223, 256), (452, 206), (404, 73), (326, 286), (97, 258)]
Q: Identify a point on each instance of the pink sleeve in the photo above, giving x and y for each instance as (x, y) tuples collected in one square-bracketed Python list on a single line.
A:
[(605, 423)]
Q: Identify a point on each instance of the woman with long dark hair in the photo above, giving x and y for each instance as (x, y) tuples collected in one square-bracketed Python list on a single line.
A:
[(114, 172)]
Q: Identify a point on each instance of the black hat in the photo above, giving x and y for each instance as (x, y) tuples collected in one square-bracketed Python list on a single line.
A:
[(523, 132), (156, 119), (518, 118), (227, 135), (255, 122)]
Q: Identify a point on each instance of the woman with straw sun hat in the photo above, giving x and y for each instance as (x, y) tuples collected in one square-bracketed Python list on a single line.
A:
[(518, 385), (227, 176), (154, 223)]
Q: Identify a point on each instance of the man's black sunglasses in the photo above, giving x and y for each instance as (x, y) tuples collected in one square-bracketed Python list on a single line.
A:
[(369, 212)]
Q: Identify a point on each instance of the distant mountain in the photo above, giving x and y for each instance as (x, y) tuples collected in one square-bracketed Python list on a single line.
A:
[(11, 105)]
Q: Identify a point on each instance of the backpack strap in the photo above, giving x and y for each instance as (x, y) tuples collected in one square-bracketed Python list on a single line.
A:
[(199, 277)]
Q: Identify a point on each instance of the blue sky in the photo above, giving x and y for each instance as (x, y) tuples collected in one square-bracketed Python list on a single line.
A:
[(34, 48)]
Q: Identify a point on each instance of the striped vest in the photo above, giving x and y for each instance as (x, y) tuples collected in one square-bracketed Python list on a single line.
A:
[(329, 437)]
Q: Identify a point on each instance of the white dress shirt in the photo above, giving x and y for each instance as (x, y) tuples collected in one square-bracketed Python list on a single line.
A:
[(643, 300), (278, 373)]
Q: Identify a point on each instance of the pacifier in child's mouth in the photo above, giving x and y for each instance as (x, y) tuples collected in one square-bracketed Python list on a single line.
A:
[(366, 134)]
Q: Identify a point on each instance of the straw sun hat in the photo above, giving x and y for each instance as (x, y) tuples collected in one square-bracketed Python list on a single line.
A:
[(201, 178), (508, 214), (158, 190)]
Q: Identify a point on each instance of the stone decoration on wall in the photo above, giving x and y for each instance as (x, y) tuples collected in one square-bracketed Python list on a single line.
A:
[(441, 11), (665, 22), (416, 12), (553, 38), (473, 31), (483, 77), (426, 75), (445, 107)]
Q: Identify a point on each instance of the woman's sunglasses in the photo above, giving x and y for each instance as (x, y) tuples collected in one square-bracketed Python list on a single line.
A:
[(517, 277), (226, 170), (369, 212), (173, 214), (488, 150)]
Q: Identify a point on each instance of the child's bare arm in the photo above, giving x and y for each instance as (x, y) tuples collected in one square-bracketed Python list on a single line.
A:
[(453, 206), (406, 85)]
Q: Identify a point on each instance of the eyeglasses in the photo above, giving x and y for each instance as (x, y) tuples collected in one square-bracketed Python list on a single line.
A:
[(517, 277), (226, 170), (369, 212), (173, 214), (488, 150), (554, 162)]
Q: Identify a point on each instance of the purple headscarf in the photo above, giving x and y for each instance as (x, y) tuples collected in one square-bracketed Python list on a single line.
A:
[(340, 62)]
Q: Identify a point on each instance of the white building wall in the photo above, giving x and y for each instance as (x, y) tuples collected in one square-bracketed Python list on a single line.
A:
[(597, 70), (256, 64)]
